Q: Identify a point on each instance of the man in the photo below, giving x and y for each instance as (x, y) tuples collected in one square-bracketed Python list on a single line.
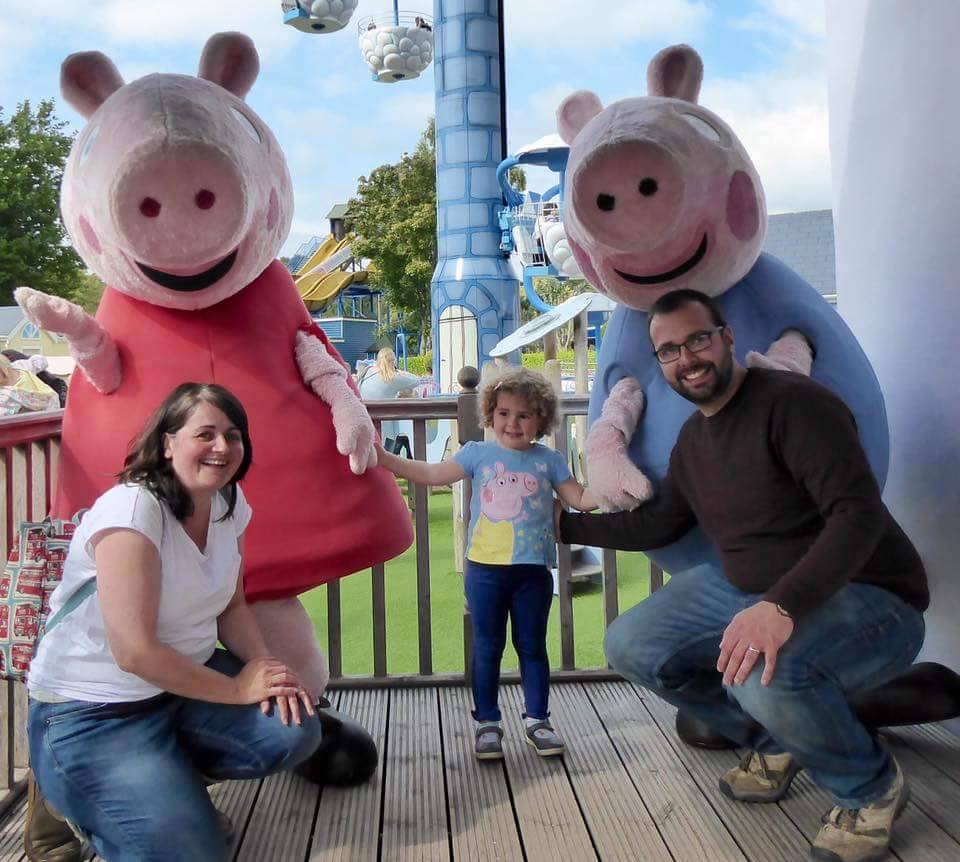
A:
[(823, 593)]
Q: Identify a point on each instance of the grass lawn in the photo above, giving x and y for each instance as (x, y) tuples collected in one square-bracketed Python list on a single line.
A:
[(446, 595)]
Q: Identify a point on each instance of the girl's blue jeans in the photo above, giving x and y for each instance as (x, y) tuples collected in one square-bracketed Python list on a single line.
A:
[(859, 638), (524, 593), (131, 775)]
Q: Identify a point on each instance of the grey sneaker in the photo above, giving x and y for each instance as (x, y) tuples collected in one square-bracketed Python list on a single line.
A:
[(544, 739), (760, 777), (862, 834), (488, 744)]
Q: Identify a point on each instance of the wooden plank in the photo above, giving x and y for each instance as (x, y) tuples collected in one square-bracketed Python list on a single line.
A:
[(762, 831), (936, 744), (621, 826), (39, 501), (20, 473), (279, 825), (422, 529), (11, 833), (379, 621), (934, 792), (482, 824), (414, 805), (611, 600), (687, 822), (564, 565), (348, 822), (235, 799), (551, 825), (334, 630)]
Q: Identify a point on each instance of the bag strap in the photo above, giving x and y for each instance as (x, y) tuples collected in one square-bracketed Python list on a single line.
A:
[(87, 589)]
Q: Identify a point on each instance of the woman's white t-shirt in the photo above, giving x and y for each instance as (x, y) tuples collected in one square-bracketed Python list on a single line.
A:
[(74, 660)]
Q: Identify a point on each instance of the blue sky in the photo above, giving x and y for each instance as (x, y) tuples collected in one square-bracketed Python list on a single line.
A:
[(765, 73)]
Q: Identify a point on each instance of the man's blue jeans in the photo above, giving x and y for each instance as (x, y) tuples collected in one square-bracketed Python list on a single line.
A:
[(131, 775), (525, 593), (860, 638)]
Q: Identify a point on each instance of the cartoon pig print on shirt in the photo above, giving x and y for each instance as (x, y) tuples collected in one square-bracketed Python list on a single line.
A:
[(502, 496)]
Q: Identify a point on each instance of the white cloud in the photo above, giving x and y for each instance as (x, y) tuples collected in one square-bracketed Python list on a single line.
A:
[(578, 29)]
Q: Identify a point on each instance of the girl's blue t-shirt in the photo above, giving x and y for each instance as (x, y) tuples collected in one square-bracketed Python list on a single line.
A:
[(511, 509)]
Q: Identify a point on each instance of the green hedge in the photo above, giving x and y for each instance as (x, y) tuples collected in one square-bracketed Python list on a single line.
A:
[(420, 365)]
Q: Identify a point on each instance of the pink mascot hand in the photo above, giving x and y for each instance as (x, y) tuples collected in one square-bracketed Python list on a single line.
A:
[(90, 345), (615, 480), (328, 379), (790, 352)]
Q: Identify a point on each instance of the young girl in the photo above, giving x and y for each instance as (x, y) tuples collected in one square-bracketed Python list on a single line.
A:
[(510, 547)]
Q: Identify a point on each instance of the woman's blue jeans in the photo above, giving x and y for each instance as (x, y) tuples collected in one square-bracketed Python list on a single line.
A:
[(860, 638), (131, 775), (524, 593)]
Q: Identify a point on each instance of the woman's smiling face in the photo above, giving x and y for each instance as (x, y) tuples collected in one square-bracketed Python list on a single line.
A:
[(206, 452)]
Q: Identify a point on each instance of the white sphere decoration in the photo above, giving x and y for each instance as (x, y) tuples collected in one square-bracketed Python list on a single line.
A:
[(325, 16), (557, 247), (396, 52)]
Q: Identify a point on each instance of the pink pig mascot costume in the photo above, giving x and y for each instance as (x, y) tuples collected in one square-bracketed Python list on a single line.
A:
[(661, 195), (178, 196)]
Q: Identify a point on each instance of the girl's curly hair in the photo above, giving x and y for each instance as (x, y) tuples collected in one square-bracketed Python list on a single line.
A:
[(532, 387)]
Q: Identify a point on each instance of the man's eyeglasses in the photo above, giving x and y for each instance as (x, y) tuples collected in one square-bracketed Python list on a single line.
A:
[(701, 340)]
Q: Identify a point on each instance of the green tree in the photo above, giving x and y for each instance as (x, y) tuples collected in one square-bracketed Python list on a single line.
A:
[(88, 291), (34, 249), (395, 215), (553, 291), (518, 178)]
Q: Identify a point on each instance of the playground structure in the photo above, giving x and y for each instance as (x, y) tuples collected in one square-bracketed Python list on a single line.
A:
[(318, 16), (396, 47)]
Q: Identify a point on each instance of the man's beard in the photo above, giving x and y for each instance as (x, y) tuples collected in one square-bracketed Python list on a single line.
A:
[(722, 375)]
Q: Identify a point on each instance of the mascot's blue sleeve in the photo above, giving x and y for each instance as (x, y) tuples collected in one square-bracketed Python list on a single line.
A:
[(768, 300)]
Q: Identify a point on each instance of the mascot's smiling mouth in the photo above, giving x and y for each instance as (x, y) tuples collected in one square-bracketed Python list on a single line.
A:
[(189, 283), (676, 272)]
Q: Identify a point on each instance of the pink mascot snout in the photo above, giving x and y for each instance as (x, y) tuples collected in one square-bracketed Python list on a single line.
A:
[(502, 497)]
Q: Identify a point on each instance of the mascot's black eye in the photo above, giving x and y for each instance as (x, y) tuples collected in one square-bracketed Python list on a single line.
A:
[(648, 186), (606, 202)]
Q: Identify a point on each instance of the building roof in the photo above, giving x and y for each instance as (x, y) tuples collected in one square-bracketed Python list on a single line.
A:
[(338, 211), (804, 242), (10, 316)]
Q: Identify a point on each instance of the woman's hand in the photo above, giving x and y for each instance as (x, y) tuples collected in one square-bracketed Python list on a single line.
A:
[(289, 706), (264, 678)]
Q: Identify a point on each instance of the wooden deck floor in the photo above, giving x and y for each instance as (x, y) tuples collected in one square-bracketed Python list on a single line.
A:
[(627, 790)]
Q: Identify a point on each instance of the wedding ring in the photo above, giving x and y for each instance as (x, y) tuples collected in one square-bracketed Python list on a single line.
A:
[(753, 649)]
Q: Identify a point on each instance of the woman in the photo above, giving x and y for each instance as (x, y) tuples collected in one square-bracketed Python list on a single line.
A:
[(131, 704), (383, 381), (23, 392), (37, 365)]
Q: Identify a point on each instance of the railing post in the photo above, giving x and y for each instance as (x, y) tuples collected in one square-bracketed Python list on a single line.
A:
[(469, 429)]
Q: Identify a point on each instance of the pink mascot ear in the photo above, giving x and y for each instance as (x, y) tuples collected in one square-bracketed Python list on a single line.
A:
[(676, 73), (575, 112), (87, 80), (230, 60)]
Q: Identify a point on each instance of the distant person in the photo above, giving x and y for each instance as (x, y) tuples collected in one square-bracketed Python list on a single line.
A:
[(22, 391), (380, 382), (371, 26), (38, 365), (132, 705), (423, 25), (510, 548)]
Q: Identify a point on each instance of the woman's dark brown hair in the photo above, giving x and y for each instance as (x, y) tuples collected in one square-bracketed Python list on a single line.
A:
[(146, 464)]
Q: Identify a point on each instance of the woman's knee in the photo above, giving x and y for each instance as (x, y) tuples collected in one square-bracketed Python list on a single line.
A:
[(293, 744)]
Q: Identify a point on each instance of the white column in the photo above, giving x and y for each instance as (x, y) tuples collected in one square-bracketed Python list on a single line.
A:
[(895, 151)]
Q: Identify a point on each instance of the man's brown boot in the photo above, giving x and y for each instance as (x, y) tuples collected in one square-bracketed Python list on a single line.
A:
[(47, 837), (760, 778)]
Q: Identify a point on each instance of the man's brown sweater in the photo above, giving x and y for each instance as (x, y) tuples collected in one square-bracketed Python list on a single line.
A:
[(780, 484)]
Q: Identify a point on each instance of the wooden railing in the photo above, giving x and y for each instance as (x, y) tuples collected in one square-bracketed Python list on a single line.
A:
[(29, 447)]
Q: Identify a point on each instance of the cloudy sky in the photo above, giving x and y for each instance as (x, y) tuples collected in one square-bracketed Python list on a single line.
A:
[(765, 72)]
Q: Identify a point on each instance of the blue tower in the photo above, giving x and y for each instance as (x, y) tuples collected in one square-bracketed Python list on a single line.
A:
[(474, 293)]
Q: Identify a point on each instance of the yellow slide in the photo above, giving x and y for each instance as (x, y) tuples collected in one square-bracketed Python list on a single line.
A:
[(321, 254), (317, 289)]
